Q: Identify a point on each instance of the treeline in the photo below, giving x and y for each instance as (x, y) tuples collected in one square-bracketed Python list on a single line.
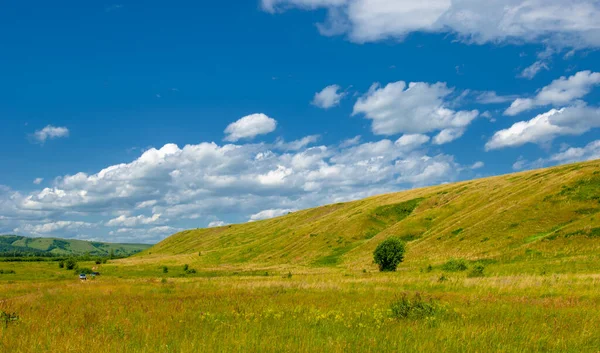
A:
[(30, 257)]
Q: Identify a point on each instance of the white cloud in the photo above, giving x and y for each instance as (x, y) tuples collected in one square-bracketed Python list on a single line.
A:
[(55, 228), (413, 108), (350, 142), (491, 97), (478, 165), (575, 154), (124, 221), (207, 182), (50, 132), (249, 127), (560, 23), (38, 181), (412, 141), (266, 214), (328, 97), (215, 224), (535, 68), (560, 92), (574, 120), (296, 144)]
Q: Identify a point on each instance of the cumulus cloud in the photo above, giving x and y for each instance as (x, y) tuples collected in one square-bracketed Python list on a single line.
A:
[(328, 97), (412, 141), (124, 221), (53, 228), (38, 181), (561, 23), (574, 120), (207, 180), (413, 108), (266, 214), (50, 132), (249, 127), (215, 224), (578, 154), (588, 152), (560, 92)]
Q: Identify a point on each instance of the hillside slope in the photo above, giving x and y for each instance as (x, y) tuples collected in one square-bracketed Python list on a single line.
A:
[(12, 244), (550, 212)]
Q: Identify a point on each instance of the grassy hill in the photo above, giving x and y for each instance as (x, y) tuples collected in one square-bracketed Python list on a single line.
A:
[(11, 244), (546, 213)]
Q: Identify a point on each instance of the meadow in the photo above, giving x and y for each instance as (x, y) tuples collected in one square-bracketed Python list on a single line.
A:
[(504, 264), (307, 311)]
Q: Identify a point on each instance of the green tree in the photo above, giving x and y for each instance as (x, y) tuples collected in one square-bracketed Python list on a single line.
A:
[(389, 254), (71, 264)]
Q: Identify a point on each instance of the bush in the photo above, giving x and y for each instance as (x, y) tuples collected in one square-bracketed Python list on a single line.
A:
[(415, 308), (71, 264), (389, 254), (190, 271), (185, 267), (98, 262), (7, 272), (61, 264), (455, 265), (477, 271), (165, 269), (84, 270)]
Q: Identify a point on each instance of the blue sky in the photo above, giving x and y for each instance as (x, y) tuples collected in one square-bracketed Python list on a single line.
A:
[(128, 121)]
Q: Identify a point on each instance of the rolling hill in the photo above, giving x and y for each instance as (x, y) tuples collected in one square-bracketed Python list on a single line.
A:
[(15, 244), (552, 213)]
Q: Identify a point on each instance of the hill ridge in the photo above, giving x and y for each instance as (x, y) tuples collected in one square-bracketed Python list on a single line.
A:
[(549, 211)]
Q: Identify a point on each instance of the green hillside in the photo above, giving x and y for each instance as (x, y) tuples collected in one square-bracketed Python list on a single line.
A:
[(547, 213), (15, 244)]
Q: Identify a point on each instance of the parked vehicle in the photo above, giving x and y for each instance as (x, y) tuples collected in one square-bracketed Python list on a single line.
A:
[(82, 277)]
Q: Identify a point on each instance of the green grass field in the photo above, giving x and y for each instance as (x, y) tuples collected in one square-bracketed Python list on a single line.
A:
[(306, 282)]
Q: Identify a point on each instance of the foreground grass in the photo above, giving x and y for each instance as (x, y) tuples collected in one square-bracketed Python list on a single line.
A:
[(313, 311)]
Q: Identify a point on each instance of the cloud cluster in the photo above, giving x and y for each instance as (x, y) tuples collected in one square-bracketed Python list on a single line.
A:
[(414, 108), (573, 120), (558, 93), (178, 187), (561, 23)]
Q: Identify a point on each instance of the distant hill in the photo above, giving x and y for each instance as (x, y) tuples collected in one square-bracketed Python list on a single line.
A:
[(553, 212), (11, 245)]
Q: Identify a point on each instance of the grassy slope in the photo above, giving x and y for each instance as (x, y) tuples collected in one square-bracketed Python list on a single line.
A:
[(542, 213), (66, 246)]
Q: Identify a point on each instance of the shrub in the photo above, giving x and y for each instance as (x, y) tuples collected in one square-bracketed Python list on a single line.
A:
[(455, 265), (84, 270), (165, 269), (442, 278), (71, 264), (7, 272), (98, 262), (477, 271), (190, 271), (389, 254), (185, 267), (415, 308), (8, 317), (61, 264)]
